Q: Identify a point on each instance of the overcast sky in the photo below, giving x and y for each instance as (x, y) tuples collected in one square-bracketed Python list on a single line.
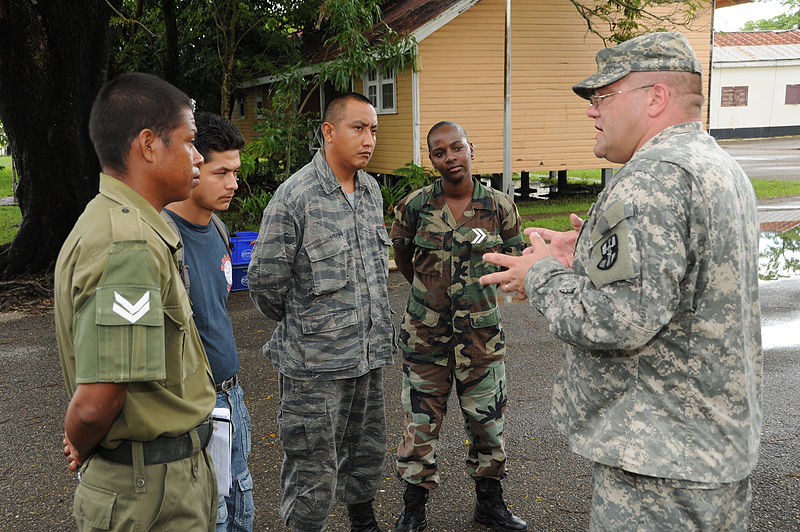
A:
[(733, 18)]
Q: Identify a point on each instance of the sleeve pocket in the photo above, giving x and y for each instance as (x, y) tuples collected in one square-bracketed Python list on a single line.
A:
[(129, 335), (613, 247)]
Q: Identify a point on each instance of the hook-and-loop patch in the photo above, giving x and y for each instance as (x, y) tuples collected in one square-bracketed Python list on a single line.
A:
[(612, 255)]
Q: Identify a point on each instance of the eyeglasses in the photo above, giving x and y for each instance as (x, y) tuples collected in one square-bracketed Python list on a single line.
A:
[(595, 98)]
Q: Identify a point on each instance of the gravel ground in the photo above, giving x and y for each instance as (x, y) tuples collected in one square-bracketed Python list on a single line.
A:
[(547, 484)]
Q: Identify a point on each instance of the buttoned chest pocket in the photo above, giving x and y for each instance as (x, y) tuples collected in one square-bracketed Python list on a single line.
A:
[(613, 255), (483, 241), (327, 256), (429, 253)]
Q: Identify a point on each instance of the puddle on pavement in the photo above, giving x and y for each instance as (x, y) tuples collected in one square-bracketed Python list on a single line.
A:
[(779, 258), (779, 255), (780, 334)]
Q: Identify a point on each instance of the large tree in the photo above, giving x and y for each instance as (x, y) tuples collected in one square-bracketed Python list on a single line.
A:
[(52, 63), (54, 56), (785, 21)]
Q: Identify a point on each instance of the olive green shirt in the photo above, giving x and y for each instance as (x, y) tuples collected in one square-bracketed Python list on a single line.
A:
[(123, 315)]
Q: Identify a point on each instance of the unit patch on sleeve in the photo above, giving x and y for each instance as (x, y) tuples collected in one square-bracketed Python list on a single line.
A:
[(609, 251), (613, 247)]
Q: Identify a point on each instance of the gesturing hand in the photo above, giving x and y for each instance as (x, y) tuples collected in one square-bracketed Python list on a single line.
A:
[(513, 278), (562, 243)]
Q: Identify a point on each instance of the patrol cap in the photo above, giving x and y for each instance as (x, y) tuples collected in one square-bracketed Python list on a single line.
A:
[(653, 52)]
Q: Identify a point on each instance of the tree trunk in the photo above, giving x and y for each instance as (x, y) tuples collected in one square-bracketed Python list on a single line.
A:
[(227, 57), (172, 70), (53, 61)]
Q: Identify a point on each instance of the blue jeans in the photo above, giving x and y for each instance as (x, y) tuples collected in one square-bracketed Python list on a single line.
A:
[(235, 512)]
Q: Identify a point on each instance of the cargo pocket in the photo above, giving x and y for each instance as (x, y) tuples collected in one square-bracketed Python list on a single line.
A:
[(303, 431), (328, 258), (613, 249), (330, 340), (245, 508), (93, 506), (485, 318), (423, 314)]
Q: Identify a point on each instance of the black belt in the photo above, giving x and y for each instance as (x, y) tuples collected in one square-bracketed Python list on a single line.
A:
[(227, 384), (162, 450)]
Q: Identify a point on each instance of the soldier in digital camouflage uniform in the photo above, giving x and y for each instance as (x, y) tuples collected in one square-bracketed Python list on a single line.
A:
[(142, 392), (451, 329), (319, 266), (661, 383)]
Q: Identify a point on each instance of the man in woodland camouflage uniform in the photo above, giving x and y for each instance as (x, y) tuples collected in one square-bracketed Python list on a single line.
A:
[(661, 382), (319, 266), (451, 330)]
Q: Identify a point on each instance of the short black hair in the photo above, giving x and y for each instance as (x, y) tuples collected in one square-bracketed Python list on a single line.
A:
[(216, 133), (445, 123), (128, 104), (334, 110)]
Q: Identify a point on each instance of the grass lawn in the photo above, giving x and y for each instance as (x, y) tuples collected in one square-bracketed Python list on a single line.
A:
[(550, 214), (10, 216), (766, 188), (5, 176), (533, 213)]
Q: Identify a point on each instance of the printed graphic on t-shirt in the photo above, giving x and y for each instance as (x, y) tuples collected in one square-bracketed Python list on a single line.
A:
[(227, 267)]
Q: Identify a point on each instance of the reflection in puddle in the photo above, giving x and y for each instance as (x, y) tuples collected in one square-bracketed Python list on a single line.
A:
[(780, 335), (779, 255)]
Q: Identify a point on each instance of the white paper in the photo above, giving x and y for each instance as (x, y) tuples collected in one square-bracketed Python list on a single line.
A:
[(220, 448)]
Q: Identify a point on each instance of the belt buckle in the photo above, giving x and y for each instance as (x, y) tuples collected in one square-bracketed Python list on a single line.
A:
[(227, 384)]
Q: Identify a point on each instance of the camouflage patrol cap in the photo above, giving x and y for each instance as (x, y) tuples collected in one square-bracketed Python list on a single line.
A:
[(647, 53)]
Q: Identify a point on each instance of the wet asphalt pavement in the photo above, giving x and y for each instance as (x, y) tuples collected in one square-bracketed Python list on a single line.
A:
[(547, 485), (774, 158)]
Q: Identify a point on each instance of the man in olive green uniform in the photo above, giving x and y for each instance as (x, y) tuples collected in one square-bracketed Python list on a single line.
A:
[(142, 391)]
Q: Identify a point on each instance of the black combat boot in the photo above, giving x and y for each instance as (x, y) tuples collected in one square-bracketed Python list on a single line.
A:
[(362, 517), (491, 509), (413, 517)]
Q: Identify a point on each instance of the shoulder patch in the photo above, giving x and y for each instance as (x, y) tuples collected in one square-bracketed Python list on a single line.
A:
[(609, 251), (613, 250)]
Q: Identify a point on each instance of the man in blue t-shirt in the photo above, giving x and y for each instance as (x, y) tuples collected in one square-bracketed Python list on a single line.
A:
[(208, 262)]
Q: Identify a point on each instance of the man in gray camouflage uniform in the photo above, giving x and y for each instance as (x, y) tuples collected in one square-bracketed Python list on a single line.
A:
[(661, 382), (319, 266)]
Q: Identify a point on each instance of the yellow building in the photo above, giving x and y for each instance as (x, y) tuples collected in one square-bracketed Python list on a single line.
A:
[(459, 75)]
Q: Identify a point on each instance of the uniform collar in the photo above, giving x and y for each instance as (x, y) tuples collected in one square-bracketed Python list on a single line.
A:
[(481, 199), (667, 132), (327, 179), (117, 191)]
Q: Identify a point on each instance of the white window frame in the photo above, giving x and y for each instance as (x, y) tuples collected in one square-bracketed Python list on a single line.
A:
[(375, 80), (241, 107), (258, 98)]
